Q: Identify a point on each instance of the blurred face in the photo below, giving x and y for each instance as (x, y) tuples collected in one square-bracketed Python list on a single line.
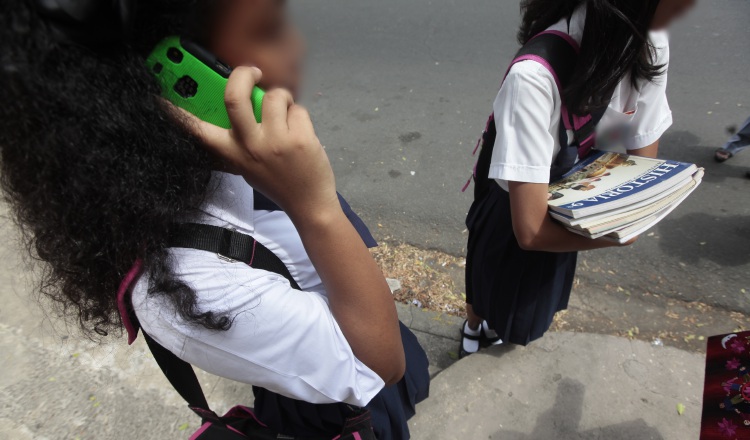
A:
[(258, 33), (670, 10)]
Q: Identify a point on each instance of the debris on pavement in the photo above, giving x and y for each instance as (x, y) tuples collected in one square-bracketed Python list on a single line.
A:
[(434, 281), (394, 285)]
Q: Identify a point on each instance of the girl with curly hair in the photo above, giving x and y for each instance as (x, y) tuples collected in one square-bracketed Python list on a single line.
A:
[(98, 171)]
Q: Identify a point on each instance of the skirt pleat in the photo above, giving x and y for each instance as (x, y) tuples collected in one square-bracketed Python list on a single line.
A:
[(518, 292), (390, 409)]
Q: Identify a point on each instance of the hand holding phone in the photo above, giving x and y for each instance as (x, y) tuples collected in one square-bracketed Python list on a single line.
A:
[(193, 79)]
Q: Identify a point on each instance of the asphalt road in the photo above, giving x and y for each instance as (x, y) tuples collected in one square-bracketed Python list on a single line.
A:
[(400, 91)]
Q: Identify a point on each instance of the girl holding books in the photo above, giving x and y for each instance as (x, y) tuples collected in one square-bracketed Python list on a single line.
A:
[(520, 263)]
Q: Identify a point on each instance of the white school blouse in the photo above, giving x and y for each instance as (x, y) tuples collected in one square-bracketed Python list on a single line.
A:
[(527, 114), (282, 339)]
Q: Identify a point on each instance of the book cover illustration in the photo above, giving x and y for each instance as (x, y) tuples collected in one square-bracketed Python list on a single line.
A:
[(726, 398), (606, 177)]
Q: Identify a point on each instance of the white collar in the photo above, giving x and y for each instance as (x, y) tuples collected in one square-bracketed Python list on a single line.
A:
[(659, 39), (577, 23), (231, 203)]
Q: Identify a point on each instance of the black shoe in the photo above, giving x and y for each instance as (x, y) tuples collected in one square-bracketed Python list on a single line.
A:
[(487, 340)]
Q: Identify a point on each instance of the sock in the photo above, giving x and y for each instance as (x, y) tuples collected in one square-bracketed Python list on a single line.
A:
[(491, 334), (469, 345)]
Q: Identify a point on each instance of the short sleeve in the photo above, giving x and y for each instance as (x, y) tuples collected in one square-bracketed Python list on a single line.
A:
[(653, 116), (281, 339), (524, 108)]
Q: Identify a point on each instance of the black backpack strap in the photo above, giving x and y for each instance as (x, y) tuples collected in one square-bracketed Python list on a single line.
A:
[(559, 55), (227, 244), (555, 50), (181, 375)]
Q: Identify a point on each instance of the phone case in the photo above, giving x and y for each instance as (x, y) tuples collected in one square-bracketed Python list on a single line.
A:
[(194, 79)]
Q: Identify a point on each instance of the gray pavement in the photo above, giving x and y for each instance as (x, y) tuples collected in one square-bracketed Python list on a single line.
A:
[(567, 386), (400, 91), (56, 385)]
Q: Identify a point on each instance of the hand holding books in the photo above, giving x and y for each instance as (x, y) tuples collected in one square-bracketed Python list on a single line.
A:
[(618, 196)]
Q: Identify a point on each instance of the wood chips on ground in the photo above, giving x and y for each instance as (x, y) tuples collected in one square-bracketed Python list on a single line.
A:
[(429, 279)]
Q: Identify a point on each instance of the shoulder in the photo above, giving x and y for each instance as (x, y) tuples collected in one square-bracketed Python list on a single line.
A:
[(659, 41), (220, 286), (530, 70), (531, 77)]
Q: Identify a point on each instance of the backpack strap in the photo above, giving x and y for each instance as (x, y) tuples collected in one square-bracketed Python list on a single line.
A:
[(558, 53), (230, 245), (227, 244)]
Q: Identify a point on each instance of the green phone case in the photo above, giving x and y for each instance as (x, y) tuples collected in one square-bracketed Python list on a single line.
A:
[(194, 84)]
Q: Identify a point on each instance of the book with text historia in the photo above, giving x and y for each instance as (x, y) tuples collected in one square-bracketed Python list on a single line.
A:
[(606, 181)]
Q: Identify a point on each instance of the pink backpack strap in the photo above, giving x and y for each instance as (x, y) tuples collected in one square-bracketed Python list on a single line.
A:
[(558, 53), (124, 304)]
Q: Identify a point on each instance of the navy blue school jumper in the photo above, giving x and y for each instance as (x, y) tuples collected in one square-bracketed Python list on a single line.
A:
[(517, 291), (390, 409)]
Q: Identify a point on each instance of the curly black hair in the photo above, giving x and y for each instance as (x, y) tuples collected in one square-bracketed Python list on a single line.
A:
[(94, 166)]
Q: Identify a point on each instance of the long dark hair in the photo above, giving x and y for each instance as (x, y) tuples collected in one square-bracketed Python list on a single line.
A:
[(94, 166), (615, 44)]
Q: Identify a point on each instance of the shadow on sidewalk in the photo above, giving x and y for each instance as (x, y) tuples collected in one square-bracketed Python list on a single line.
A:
[(563, 420)]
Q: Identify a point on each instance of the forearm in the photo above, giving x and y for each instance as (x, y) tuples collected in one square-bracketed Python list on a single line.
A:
[(533, 227), (553, 237), (651, 151), (359, 296)]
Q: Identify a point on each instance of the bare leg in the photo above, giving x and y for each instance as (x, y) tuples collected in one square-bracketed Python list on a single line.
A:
[(473, 319)]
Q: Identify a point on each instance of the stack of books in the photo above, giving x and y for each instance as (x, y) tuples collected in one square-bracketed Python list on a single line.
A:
[(618, 197)]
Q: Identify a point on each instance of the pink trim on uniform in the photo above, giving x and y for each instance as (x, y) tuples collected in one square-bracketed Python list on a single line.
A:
[(255, 244), (541, 61), (466, 185), (357, 436), (199, 432), (479, 142), (235, 430), (580, 121), (585, 147), (249, 412), (122, 298)]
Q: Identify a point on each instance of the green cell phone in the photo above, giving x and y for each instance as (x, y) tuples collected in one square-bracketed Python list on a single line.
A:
[(193, 79)]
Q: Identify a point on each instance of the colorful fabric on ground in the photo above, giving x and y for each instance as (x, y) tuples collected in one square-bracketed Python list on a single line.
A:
[(726, 398)]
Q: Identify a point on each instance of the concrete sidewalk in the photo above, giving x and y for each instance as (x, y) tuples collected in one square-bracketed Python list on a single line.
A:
[(567, 386)]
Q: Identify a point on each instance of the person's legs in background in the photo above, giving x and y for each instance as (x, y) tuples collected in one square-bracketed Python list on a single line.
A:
[(737, 143)]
